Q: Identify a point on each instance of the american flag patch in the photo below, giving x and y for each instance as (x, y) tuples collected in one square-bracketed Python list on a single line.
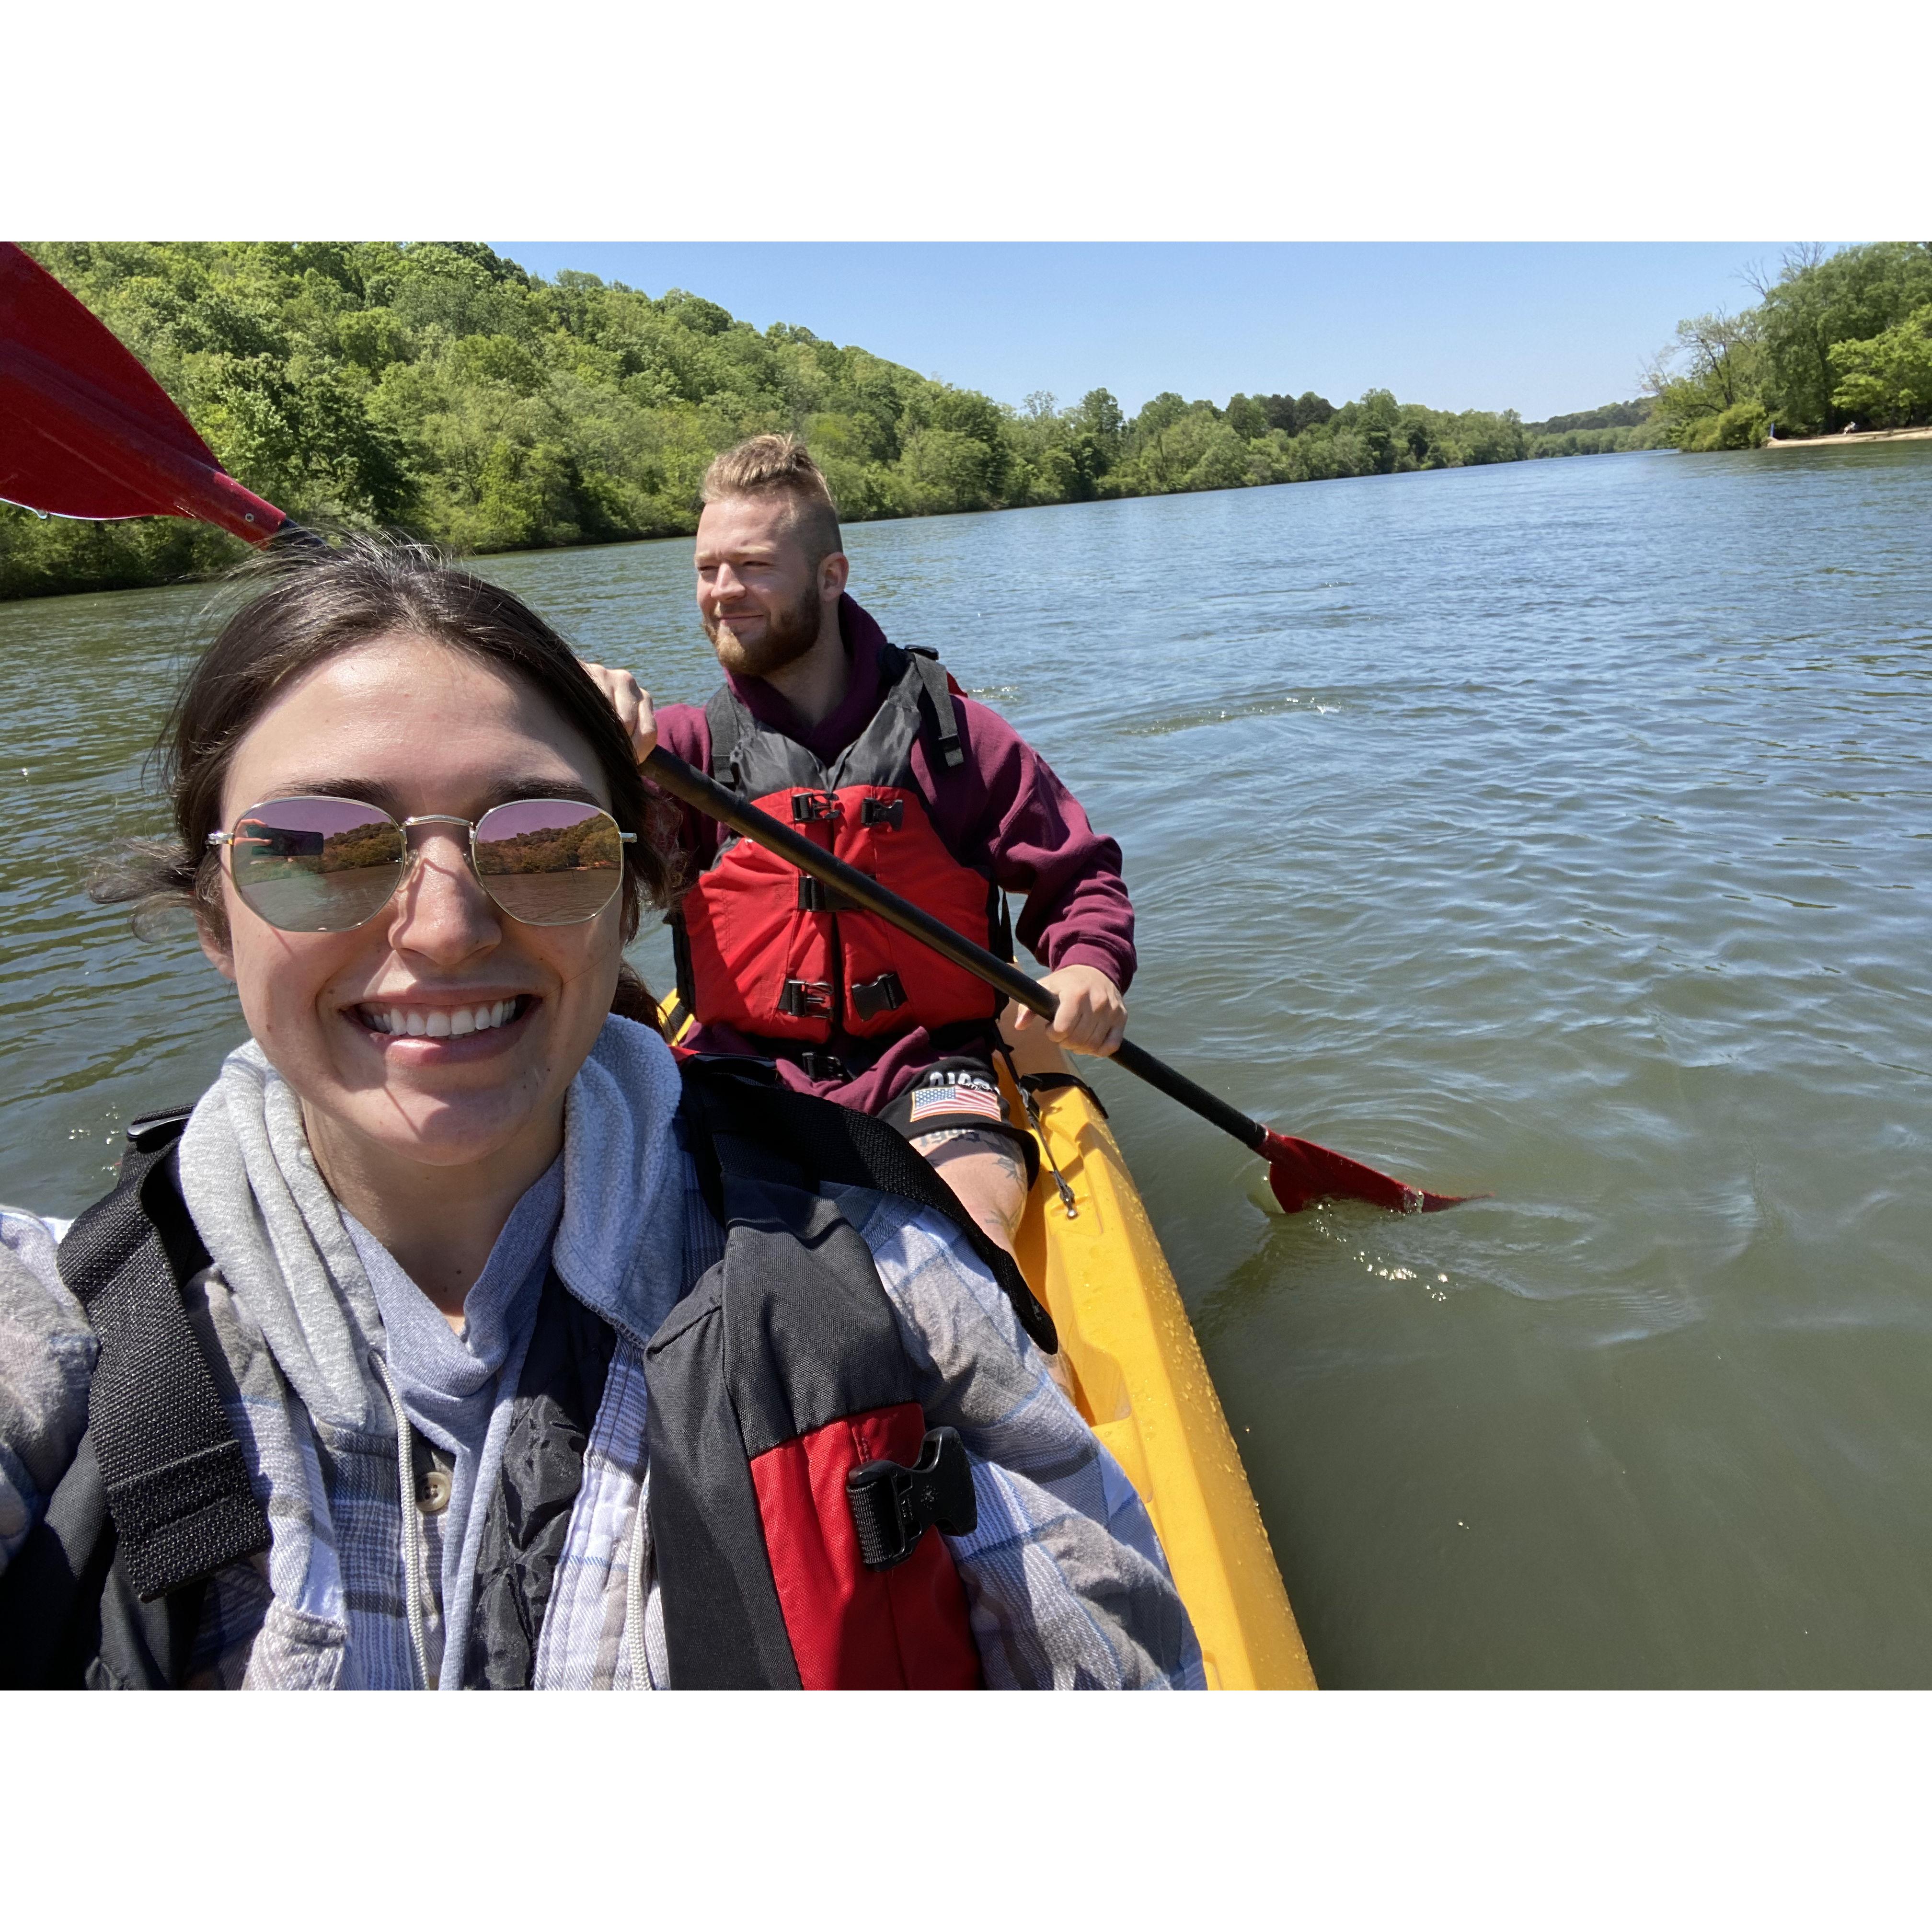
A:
[(927, 1101)]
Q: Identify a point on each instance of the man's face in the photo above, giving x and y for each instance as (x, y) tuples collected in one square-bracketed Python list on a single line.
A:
[(759, 596)]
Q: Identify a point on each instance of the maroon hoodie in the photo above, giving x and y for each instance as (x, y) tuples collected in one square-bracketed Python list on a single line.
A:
[(1003, 811)]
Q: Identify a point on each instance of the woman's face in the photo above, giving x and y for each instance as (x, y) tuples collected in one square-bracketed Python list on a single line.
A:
[(412, 726)]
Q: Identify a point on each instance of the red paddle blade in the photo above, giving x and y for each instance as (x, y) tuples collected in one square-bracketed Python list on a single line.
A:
[(1299, 1171), (86, 431)]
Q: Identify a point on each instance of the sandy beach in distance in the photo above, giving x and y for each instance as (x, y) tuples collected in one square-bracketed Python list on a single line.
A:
[(1856, 435)]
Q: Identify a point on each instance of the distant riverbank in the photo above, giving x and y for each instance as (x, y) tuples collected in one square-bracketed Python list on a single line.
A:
[(1849, 435), (439, 388)]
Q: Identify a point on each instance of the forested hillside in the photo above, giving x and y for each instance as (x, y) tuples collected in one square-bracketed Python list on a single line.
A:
[(1835, 339), (438, 388), (1631, 425)]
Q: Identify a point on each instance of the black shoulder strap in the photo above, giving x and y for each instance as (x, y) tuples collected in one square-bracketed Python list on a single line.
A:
[(931, 676), (175, 1481), (732, 1099), (721, 715)]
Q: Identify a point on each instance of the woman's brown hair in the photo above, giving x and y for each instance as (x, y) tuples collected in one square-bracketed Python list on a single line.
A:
[(315, 603)]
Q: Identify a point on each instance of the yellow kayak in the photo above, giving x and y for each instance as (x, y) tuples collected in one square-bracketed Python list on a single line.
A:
[(1140, 1381)]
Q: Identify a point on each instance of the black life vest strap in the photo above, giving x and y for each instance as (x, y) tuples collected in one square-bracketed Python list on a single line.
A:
[(725, 717), (176, 1482), (741, 1100), (931, 674)]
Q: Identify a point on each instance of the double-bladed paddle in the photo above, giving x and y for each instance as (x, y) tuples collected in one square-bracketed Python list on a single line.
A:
[(86, 432)]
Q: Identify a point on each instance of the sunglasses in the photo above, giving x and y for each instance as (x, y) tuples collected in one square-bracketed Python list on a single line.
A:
[(329, 865)]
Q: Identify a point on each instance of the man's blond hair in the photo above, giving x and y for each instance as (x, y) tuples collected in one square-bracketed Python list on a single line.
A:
[(777, 465)]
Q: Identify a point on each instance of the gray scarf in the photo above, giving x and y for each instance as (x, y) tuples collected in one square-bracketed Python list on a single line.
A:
[(276, 1233)]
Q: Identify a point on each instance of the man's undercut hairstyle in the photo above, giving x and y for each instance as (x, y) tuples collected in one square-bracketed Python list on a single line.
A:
[(776, 465)]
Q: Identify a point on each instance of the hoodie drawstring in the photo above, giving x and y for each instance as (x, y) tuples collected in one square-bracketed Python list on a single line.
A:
[(412, 1536)]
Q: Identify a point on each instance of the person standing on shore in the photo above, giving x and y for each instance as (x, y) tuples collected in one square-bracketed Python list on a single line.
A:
[(872, 749)]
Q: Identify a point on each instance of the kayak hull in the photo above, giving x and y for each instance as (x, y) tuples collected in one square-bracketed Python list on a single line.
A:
[(1140, 1382)]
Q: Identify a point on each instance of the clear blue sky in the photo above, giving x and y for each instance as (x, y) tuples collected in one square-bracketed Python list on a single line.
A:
[(1542, 327)]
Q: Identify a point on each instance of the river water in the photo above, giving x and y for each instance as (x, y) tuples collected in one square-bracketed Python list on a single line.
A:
[(1559, 831)]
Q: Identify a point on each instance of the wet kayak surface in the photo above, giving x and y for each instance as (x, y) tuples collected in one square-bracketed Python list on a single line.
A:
[(1559, 829)]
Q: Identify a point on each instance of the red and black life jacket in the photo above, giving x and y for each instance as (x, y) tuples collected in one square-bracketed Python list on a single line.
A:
[(796, 1490), (763, 948)]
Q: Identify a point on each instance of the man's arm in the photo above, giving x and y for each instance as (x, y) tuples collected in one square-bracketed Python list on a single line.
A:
[(1007, 809)]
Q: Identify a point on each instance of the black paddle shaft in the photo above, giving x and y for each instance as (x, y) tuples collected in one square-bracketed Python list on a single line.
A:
[(705, 795)]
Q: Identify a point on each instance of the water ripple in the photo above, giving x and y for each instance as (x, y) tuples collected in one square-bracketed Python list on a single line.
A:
[(1558, 830)]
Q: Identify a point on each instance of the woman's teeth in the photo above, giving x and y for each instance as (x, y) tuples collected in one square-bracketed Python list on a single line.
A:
[(438, 1022)]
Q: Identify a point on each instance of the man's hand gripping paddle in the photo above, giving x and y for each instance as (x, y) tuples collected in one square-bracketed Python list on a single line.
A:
[(86, 432)]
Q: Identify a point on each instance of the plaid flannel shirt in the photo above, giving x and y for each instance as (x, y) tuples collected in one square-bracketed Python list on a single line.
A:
[(1066, 1585)]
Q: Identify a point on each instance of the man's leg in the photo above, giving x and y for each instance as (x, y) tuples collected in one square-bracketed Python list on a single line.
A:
[(956, 1115), (988, 1173), (941, 1115)]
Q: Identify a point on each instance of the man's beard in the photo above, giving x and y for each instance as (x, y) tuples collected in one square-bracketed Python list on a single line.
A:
[(788, 636)]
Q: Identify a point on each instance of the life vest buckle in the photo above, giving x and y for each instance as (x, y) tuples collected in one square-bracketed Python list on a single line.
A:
[(815, 895), (886, 812), (808, 808), (806, 999), (892, 1506), (885, 995)]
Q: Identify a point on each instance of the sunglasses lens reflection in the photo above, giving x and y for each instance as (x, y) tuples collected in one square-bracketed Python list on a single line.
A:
[(550, 861), (317, 865)]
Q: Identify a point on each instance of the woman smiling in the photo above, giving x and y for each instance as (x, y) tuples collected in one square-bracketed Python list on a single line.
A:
[(459, 1337)]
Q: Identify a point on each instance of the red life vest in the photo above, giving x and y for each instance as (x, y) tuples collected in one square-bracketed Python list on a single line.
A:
[(763, 950)]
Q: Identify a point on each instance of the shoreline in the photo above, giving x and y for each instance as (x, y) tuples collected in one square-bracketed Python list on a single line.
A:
[(1855, 436)]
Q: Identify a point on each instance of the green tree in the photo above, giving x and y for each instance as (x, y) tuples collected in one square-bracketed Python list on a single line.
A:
[(1887, 379), (1166, 409), (1818, 300), (1248, 417), (947, 469), (1100, 417), (1715, 364), (1374, 419)]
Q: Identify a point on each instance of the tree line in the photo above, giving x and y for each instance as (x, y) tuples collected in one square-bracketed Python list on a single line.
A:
[(439, 388), (1834, 339)]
